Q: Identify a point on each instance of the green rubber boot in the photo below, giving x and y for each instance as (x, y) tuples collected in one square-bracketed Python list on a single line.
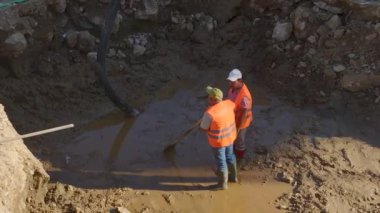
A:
[(232, 176), (222, 181)]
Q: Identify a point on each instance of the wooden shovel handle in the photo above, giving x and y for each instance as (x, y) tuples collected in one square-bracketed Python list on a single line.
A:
[(39, 132)]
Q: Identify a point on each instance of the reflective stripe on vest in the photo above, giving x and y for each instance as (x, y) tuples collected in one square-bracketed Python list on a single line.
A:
[(220, 134)]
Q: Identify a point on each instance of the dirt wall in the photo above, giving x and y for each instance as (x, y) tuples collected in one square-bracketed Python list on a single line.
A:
[(22, 175)]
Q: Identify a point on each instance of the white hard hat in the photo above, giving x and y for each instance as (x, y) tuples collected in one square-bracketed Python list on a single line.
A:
[(234, 75)]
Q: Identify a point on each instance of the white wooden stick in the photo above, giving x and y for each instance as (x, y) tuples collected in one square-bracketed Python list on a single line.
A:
[(39, 133)]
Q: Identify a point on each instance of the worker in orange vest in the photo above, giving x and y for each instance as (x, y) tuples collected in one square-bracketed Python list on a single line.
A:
[(239, 93), (219, 122)]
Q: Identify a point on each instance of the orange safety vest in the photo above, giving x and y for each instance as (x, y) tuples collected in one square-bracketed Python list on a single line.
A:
[(222, 131), (244, 92)]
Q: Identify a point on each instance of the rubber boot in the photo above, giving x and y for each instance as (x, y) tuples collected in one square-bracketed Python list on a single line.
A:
[(232, 176), (239, 157), (222, 181)]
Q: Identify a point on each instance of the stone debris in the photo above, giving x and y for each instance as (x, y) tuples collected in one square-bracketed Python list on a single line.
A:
[(339, 68), (282, 31), (120, 210), (169, 198)]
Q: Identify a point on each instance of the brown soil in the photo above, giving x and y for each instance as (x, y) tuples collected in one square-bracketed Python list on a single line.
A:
[(313, 146)]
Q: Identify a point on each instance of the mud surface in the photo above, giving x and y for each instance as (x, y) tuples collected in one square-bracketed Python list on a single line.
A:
[(119, 153), (314, 143), (298, 159)]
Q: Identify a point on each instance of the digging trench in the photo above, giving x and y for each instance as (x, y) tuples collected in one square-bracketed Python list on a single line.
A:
[(304, 149)]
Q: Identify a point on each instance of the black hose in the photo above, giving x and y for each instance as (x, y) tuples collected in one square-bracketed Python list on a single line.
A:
[(100, 64)]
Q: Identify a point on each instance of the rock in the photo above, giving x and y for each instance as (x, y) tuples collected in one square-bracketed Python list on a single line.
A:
[(120, 54), (334, 22), (377, 28), (71, 38), (377, 100), (322, 30), (78, 210), (203, 27), (223, 10), (146, 210), (111, 53), (338, 33), (69, 188), (116, 26), (44, 35), (304, 22), (129, 42), (189, 27), (312, 52), (91, 56), (359, 82), (207, 23), (371, 36), (302, 64), (96, 20), (150, 10), (145, 193), (352, 55), (282, 31), (143, 40), (330, 43), (59, 190), (169, 198), (58, 5), (297, 47), (285, 177), (330, 75), (176, 20), (138, 50), (86, 41), (15, 45), (339, 68), (312, 39), (325, 6), (120, 210), (151, 7), (282, 207)]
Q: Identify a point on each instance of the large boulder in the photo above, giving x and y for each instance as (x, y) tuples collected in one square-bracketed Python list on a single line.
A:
[(86, 41), (14, 45), (305, 22), (22, 175)]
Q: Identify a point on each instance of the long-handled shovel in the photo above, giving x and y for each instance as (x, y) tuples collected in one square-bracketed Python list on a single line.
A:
[(172, 145), (38, 133)]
